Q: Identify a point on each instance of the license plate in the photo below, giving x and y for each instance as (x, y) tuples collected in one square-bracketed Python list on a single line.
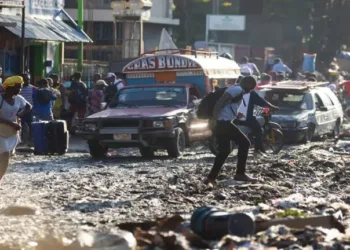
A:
[(122, 137)]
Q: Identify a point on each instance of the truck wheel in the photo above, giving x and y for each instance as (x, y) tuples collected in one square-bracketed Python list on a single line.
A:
[(147, 152), (97, 150), (177, 144), (336, 131)]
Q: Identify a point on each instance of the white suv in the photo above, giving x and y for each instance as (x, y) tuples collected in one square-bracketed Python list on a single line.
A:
[(305, 113)]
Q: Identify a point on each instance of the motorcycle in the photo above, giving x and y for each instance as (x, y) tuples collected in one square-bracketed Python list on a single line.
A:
[(273, 139)]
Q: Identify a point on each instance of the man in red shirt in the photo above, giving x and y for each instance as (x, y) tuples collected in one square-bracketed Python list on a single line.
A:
[(265, 80), (346, 86)]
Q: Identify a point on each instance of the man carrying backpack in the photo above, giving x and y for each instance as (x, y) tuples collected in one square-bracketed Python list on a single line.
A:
[(114, 85), (223, 123)]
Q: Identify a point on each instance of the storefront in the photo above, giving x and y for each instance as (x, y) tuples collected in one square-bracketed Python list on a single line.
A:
[(47, 28)]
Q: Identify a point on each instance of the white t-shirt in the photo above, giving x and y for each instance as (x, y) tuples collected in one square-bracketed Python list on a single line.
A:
[(244, 108), (229, 112), (9, 112), (246, 70), (119, 84)]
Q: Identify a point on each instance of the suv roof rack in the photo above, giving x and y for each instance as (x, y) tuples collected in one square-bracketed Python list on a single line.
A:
[(294, 85)]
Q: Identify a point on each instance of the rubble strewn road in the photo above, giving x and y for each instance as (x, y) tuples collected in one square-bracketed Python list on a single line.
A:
[(57, 196)]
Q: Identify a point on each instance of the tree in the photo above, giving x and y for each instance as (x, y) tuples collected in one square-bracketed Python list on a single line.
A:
[(318, 26), (192, 15)]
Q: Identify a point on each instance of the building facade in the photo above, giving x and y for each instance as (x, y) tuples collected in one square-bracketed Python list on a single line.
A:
[(47, 28), (98, 24)]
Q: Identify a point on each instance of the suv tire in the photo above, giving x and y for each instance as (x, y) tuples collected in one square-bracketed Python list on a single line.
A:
[(177, 145), (309, 133), (97, 150), (336, 131)]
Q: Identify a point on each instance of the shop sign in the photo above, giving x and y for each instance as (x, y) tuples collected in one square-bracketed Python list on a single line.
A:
[(161, 63), (44, 7), (43, 4)]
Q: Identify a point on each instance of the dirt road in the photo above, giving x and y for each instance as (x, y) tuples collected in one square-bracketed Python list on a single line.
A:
[(73, 192)]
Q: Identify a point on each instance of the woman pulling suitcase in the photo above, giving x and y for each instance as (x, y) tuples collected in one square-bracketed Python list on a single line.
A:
[(12, 106)]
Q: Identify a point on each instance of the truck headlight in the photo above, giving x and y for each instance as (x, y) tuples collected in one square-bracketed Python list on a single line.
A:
[(158, 124), (302, 122), (90, 126)]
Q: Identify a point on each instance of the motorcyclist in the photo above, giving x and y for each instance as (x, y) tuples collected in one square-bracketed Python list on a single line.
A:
[(250, 121), (248, 67), (279, 66)]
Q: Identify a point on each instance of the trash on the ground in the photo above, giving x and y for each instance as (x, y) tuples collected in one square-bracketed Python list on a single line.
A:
[(19, 210), (329, 222), (291, 212), (116, 239), (212, 224), (289, 202)]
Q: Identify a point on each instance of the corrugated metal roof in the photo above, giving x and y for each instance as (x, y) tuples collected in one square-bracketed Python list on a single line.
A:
[(45, 29)]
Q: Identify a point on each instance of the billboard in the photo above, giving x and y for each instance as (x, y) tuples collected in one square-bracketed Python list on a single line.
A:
[(222, 22), (44, 8)]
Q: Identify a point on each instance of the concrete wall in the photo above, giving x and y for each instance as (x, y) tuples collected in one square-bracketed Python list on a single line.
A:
[(151, 36), (99, 11)]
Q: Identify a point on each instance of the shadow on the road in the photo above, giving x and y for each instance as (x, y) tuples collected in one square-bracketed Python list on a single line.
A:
[(90, 207), (61, 164)]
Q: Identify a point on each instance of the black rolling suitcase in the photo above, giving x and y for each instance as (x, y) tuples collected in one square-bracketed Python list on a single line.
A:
[(58, 137)]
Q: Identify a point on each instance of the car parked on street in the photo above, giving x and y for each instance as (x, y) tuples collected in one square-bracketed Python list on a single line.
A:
[(307, 109), (150, 117)]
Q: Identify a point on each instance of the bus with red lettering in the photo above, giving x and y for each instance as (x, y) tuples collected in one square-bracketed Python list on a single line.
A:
[(156, 108), (200, 68)]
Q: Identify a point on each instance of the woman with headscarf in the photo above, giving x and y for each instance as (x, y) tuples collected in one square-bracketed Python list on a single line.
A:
[(12, 106)]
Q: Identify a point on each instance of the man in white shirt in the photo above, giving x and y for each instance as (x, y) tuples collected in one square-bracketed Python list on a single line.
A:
[(223, 123), (248, 68)]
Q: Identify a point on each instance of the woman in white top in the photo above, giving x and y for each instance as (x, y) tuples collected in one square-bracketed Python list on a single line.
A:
[(12, 106)]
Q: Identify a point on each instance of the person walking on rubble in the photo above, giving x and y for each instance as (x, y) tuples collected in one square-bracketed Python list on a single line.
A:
[(12, 106), (225, 129)]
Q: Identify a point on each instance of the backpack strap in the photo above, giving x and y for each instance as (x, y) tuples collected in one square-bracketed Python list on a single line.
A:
[(241, 95)]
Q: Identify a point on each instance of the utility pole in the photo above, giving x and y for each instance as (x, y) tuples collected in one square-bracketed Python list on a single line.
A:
[(23, 39), (81, 26), (216, 7), (216, 11)]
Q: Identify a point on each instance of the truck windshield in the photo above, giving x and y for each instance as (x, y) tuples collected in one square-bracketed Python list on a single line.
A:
[(290, 100), (153, 96)]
